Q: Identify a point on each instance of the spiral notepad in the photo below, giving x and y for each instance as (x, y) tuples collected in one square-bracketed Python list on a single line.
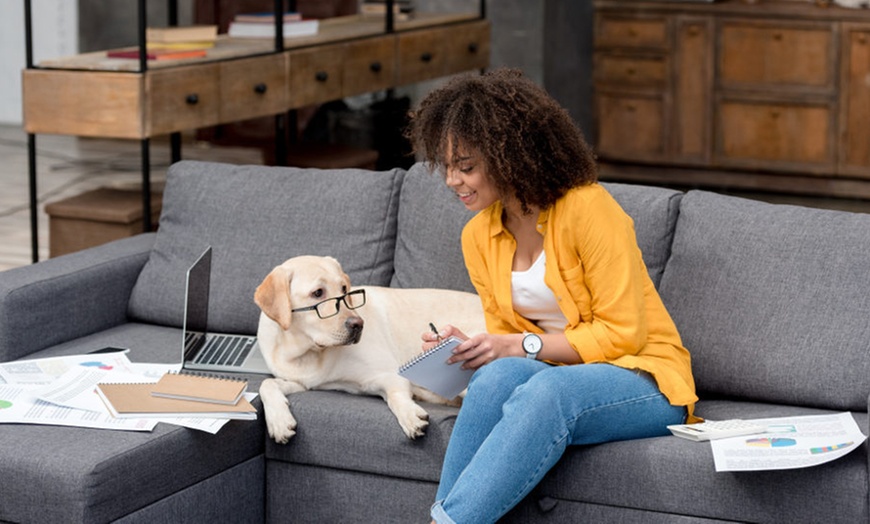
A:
[(431, 370), (202, 387)]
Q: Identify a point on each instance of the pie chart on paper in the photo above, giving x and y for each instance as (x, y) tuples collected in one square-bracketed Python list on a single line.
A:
[(4, 404)]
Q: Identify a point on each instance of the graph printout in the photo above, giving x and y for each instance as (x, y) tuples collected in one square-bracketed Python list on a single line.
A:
[(789, 443)]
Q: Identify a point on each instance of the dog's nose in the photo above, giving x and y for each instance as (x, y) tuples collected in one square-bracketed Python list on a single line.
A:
[(354, 327)]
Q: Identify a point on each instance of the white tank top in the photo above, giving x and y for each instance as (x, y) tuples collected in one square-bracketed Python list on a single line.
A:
[(534, 300)]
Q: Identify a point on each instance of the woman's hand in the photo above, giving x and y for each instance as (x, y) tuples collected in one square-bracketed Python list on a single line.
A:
[(483, 348), (432, 339)]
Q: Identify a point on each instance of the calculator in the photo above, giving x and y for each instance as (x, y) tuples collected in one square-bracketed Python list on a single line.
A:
[(716, 429)]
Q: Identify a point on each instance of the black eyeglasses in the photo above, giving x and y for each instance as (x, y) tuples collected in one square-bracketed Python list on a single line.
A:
[(329, 307)]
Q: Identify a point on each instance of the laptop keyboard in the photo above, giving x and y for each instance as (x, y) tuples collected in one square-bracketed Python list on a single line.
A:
[(223, 350)]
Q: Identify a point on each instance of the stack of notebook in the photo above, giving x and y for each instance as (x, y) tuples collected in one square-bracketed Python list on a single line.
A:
[(182, 394)]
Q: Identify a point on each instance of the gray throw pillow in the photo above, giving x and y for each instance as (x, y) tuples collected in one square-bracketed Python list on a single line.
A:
[(255, 217)]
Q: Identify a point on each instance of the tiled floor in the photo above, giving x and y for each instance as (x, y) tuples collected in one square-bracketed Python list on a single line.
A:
[(68, 166)]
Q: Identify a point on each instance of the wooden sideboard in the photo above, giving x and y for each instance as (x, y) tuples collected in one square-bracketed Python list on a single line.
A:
[(773, 95)]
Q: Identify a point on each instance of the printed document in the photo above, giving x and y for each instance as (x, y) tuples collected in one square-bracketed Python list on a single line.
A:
[(789, 443)]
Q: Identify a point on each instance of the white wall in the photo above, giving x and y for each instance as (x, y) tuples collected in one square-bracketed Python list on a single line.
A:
[(55, 33)]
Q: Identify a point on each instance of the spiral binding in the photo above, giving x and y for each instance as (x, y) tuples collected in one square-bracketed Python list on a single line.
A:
[(423, 356), (203, 374)]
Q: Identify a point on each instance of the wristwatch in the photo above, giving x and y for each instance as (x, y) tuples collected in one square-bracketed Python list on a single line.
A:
[(532, 344)]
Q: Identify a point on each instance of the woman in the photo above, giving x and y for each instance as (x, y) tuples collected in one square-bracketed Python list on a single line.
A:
[(579, 348)]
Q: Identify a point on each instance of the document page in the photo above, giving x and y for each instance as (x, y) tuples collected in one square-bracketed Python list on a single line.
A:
[(789, 443)]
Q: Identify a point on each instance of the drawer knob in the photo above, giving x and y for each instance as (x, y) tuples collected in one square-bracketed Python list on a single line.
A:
[(192, 99), (375, 67), (777, 37), (774, 114), (694, 30), (630, 71), (260, 88), (321, 76), (472, 47), (862, 39), (426, 57)]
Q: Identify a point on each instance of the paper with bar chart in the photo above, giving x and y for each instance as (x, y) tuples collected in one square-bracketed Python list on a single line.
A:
[(790, 443)]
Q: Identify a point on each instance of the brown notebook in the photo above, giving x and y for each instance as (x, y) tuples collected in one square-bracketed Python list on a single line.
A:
[(135, 401), (201, 387)]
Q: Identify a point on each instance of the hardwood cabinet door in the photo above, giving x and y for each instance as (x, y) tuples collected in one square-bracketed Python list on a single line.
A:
[(182, 98), (761, 54), (764, 134), (855, 100), (253, 87), (693, 87), (631, 126)]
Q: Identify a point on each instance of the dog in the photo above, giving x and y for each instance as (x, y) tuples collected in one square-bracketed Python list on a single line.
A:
[(306, 352)]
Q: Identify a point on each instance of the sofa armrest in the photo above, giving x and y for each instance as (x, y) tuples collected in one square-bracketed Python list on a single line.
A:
[(69, 296)]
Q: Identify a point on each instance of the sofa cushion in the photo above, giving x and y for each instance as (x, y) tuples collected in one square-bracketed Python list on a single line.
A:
[(428, 246), (772, 300), (654, 211), (256, 217)]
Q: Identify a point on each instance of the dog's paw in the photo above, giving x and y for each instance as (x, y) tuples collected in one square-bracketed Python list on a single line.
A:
[(281, 425), (414, 420)]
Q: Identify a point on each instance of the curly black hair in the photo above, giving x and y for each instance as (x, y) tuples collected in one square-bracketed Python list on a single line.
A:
[(532, 148)]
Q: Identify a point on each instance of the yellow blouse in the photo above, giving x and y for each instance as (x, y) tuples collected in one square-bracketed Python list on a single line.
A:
[(595, 269)]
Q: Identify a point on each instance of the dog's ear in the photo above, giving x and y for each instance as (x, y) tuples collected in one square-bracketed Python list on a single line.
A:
[(273, 297)]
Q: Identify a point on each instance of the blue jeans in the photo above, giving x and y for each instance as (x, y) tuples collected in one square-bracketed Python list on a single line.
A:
[(518, 417)]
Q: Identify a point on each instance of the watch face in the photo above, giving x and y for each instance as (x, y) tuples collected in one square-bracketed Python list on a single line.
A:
[(532, 343)]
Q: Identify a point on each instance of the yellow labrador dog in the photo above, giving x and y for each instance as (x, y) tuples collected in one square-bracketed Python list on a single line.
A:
[(312, 337)]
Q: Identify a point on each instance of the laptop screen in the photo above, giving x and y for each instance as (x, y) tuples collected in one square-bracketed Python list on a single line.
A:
[(196, 301)]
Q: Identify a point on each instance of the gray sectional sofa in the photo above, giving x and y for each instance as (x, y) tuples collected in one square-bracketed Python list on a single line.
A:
[(772, 301)]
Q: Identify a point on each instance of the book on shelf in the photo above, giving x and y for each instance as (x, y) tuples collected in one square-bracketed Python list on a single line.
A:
[(185, 33), (260, 30), (157, 54), (431, 370), (200, 387), (266, 17), (204, 44), (129, 400), (401, 10)]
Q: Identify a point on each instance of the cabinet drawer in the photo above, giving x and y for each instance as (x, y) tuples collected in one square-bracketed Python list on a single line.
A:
[(627, 70), (422, 55), (181, 98), (777, 56), (369, 65), (616, 31), (253, 87), (631, 127), (775, 132), (468, 48), (316, 75), (95, 104)]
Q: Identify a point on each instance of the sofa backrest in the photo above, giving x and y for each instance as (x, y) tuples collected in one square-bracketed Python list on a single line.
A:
[(256, 217), (429, 245), (772, 301), (654, 211)]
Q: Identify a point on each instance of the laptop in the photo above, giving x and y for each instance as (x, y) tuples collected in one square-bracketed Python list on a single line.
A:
[(206, 351)]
